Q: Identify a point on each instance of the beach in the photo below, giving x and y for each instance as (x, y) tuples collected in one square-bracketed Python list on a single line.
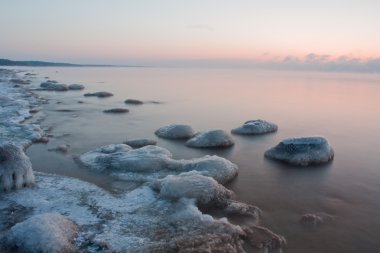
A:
[(130, 211)]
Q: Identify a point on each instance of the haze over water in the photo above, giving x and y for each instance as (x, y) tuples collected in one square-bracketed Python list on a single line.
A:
[(341, 107)]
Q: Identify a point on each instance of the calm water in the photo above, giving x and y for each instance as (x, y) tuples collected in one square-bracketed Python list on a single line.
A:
[(345, 108)]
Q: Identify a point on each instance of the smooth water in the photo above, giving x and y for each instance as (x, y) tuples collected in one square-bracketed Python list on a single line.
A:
[(344, 108)]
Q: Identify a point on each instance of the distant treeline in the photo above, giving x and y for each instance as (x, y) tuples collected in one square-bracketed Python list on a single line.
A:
[(6, 62)]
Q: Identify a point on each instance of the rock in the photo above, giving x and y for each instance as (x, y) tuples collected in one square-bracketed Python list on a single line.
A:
[(116, 110), (204, 190), (76, 86), (254, 127), (263, 239), (136, 163), (139, 143), (45, 233), (100, 94), (315, 219), (302, 151), (211, 139), (20, 81), (53, 86), (63, 148), (133, 102), (175, 131), (15, 168)]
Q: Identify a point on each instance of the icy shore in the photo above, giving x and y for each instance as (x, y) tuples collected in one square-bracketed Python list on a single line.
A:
[(162, 215)]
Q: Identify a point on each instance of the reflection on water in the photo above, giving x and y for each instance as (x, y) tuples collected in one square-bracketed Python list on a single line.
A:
[(342, 107)]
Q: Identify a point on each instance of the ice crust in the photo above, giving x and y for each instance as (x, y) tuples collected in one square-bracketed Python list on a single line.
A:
[(175, 131), (157, 162), (302, 151), (211, 139), (45, 233), (255, 127), (15, 168)]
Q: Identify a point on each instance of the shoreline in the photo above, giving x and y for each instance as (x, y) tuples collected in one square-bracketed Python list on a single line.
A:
[(141, 220)]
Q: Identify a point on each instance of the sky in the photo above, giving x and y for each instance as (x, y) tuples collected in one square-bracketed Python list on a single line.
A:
[(220, 32)]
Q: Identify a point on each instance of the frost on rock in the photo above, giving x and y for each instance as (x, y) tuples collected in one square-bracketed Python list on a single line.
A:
[(302, 151), (211, 139), (255, 127), (15, 168), (175, 131), (150, 162), (45, 233)]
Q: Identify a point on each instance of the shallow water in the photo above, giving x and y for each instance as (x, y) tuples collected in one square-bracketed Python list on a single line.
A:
[(342, 107)]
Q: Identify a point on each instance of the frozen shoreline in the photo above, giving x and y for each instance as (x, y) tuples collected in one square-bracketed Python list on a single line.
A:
[(143, 220)]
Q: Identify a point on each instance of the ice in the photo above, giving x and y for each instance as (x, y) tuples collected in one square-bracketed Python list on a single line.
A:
[(175, 131), (15, 168), (254, 127), (45, 233), (211, 139), (134, 164)]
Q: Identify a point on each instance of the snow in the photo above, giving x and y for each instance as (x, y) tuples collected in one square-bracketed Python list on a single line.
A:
[(253, 127), (46, 233), (175, 131), (210, 139), (15, 168)]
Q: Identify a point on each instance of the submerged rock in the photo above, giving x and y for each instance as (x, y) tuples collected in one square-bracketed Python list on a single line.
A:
[(76, 86), (45, 233), (211, 139), (99, 94), (175, 131), (133, 102), (254, 127), (139, 143), (133, 164), (20, 81), (53, 86), (315, 219), (116, 110), (63, 148), (15, 168), (302, 151)]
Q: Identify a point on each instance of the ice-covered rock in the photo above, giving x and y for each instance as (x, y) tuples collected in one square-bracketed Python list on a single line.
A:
[(211, 139), (263, 239), (133, 102), (54, 86), (205, 190), (302, 151), (75, 86), (15, 168), (45, 233), (175, 131), (254, 127), (99, 94), (116, 110), (122, 160), (139, 143)]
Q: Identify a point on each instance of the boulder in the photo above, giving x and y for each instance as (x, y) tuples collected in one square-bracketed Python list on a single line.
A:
[(139, 143), (15, 168), (75, 86), (133, 102), (175, 131), (211, 139), (99, 94), (116, 110), (302, 151), (255, 127), (53, 86), (45, 233)]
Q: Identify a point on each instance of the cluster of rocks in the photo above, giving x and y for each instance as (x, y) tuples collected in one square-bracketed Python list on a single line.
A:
[(52, 85)]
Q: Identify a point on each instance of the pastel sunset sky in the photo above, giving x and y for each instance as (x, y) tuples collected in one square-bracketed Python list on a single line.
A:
[(154, 31)]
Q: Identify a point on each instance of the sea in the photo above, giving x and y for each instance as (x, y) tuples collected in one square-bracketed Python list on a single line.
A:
[(342, 107)]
